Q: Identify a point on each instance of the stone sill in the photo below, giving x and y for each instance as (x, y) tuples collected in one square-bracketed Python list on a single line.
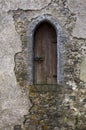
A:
[(46, 88)]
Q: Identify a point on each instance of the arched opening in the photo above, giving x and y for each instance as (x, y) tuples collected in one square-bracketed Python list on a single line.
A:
[(45, 54)]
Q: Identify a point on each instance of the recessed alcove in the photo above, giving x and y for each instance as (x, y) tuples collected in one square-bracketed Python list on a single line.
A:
[(45, 54), (45, 51)]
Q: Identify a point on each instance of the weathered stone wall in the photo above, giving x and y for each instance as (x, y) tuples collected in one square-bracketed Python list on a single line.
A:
[(15, 18), (56, 107)]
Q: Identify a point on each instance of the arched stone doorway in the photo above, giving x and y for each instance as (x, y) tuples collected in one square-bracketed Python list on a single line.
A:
[(60, 40), (45, 54)]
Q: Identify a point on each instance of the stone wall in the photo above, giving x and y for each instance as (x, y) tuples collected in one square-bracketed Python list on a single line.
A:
[(15, 19), (55, 107)]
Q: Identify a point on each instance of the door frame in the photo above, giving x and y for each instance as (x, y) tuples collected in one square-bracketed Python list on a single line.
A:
[(61, 40)]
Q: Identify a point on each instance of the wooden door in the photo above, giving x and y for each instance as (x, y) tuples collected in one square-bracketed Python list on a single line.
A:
[(45, 54)]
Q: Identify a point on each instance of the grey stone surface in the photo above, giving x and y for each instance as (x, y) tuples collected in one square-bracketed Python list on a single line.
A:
[(78, 7), (7, 5), (14, 101)]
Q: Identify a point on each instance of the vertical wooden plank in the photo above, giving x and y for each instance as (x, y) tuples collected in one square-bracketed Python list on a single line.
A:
[(45, 47)]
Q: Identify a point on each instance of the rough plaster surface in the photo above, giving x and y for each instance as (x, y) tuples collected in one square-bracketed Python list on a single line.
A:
[(13, 100), (23, 4), (78, 7)]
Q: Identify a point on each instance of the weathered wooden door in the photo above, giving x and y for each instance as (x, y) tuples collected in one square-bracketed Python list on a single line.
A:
[(45, 54)]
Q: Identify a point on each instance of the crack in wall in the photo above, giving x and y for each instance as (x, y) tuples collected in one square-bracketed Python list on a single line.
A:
[(27, 10)]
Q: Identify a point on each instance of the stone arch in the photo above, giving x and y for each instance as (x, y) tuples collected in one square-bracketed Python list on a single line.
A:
[(61, 39)]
